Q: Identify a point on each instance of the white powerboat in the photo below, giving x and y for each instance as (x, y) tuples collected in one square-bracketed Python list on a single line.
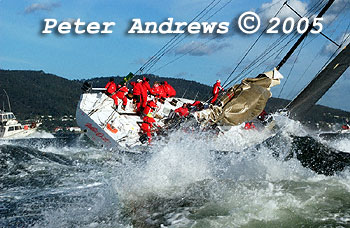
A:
[(10, 128)]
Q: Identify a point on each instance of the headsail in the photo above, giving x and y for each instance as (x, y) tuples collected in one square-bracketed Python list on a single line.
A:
[(320, 84)]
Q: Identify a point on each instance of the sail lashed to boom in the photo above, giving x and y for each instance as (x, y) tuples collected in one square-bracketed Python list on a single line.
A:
[(243, 102)]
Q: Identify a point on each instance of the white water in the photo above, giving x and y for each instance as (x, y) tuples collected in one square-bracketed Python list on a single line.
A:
[(187, 183)]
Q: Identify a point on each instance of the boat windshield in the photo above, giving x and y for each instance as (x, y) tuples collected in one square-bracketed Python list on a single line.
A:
[(5, 117)]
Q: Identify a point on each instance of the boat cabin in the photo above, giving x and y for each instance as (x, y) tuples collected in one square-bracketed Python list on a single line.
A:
[(9, 126), (6, 116)]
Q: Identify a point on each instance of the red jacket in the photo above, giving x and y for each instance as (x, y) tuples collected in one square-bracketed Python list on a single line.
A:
[(111, 87), (170, 91), (182, 111), (123, 90), (196, 103), (262, 115), (217, 87), (151, 106), (147, 86), (137, 88), (147, 123), (143, 90), (158, 91), (249, 126)]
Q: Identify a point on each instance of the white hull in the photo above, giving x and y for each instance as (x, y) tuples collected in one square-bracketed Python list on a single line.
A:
[(95, 111), (10, 128), (19, 134)]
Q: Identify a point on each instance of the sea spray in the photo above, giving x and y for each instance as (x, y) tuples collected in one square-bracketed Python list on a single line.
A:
[(192, 180)]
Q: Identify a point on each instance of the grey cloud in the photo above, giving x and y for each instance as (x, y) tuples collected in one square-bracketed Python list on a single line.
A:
[(140, 61), (199, 48), (41, 7)]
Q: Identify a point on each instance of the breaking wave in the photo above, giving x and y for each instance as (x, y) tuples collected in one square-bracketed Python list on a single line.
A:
[(244, 179)]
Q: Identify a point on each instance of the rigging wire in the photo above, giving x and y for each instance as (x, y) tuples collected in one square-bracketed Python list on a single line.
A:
[(320, 52), (171, 40), (177, 58), (291, 69), (223, 6), (174, 45), (313, 8), (176, 40), (248, 71), (249, 49)]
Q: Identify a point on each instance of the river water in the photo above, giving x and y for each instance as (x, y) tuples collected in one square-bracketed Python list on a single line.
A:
[(192, 180)]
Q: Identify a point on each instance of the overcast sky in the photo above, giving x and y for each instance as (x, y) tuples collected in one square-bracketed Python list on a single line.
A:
[(202, 58)]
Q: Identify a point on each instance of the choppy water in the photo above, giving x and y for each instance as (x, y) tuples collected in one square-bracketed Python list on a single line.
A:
[(67, 182)]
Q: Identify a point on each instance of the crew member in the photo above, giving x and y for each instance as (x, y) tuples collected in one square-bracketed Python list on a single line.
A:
[(345, 127), (121, 92), (182, 111), (158, 90), (144, 95), (169, 90), (150, 107), (147, 126), (197, 106), (262, 115), (216, 89), (249, 126), (145, 83), (111, 91), (136, 92)]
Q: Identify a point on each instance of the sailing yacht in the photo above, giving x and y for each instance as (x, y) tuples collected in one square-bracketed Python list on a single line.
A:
[(241, 103)]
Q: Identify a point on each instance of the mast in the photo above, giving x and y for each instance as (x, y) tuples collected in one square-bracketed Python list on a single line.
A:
[(8, 100), (302, 37), (320, 84)]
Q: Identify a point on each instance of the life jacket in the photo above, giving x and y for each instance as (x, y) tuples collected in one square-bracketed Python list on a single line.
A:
[(182, 111), (111, 88)]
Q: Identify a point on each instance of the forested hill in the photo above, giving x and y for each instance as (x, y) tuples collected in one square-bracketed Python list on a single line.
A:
[(36, 93)]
